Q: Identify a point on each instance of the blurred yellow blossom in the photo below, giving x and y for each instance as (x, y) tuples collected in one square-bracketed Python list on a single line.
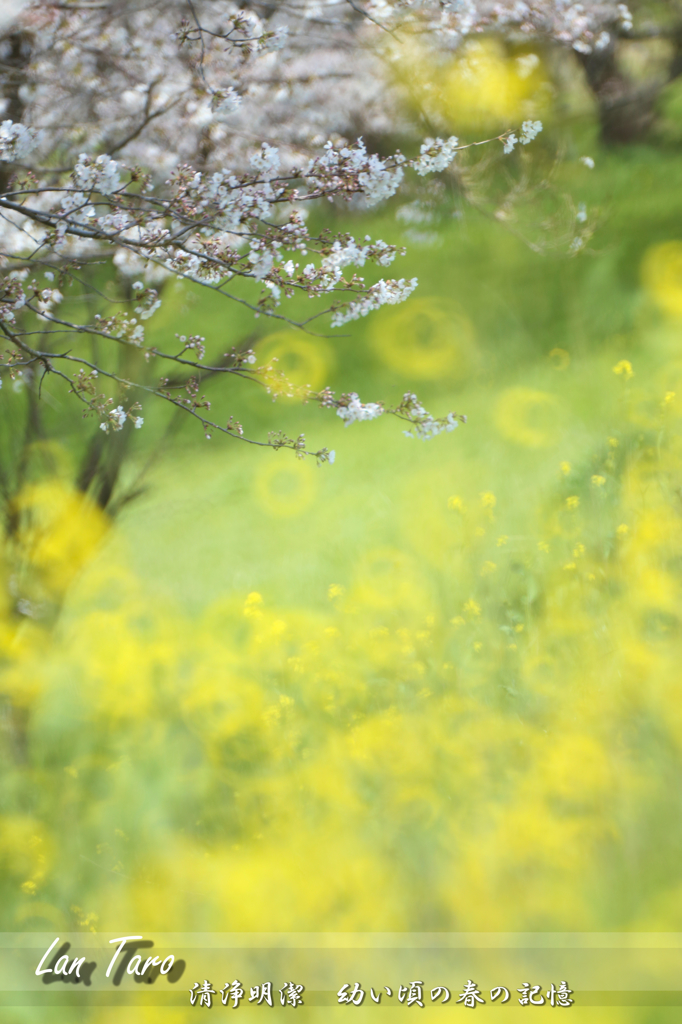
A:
[(528, 417), (662, 276), (304, 362), (425, 339), (252, 605), (560, 358), (472, 608), (624, 369)]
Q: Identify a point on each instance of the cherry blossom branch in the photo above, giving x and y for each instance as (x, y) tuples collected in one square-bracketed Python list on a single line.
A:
[(197, 230)]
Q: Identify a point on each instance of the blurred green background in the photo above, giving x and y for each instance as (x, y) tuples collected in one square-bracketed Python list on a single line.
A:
[(433, 687)]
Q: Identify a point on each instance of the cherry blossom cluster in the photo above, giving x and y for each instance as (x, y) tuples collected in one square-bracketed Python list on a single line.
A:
[(529, 131), (586, 27), (166, 81), (16, 141), (423, 424), (214, 227)]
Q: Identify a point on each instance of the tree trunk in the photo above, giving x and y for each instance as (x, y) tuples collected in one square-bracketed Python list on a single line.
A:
[(626, 111), (15, 54)]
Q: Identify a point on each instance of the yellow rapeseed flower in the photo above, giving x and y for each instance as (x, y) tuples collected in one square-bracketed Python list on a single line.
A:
[(252, 605), (624, 369)]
